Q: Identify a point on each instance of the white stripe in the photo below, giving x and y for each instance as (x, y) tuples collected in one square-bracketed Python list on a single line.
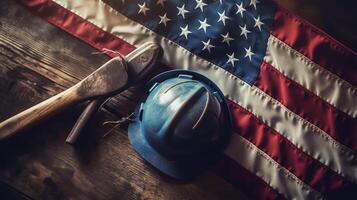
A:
[(303, 134), (313, 77), (259, 163)]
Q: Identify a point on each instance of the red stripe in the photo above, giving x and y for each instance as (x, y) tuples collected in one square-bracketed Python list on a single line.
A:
[(315, 44), (100, 39), (82, 29), (337, 124), (250, 184), (306, 168), (78, 27)]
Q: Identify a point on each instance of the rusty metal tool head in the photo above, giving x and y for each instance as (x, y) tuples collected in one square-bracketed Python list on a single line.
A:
[(140, 62)]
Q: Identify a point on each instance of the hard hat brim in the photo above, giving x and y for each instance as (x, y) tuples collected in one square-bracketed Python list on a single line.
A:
[(178, 167), (185, 167)]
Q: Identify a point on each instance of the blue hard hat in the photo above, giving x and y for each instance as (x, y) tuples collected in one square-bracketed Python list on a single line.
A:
[(182, 124)]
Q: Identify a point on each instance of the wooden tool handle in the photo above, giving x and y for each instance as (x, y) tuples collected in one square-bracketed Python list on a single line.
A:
[(110, 77), (38, 113)]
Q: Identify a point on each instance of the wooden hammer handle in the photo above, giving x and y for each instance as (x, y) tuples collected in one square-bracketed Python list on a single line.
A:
[(39, 112), (110, 77)]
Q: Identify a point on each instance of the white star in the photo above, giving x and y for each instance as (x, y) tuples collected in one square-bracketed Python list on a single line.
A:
[(164, 19), (123, 1), (185, 31), (240, 8), (231, 59), (226, 38), (254, 3), (203, 25), (143, 8), (222, 17), (200, 4), (207, 45), (244, 31), (182, 11), (249, 53), (258, 23), (160, 2)]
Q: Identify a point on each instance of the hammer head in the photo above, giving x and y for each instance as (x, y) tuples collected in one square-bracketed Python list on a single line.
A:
[(137, 65), (142, 60)]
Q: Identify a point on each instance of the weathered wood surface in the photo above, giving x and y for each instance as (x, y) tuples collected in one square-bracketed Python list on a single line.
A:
[(110, 77), (38, 60)]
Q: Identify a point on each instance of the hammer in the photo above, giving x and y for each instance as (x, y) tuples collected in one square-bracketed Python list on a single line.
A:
[(113, 77)]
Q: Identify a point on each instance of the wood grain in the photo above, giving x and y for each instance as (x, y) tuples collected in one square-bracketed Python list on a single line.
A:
[(34, 115), (37, 61), (111, 77), (39, 163)]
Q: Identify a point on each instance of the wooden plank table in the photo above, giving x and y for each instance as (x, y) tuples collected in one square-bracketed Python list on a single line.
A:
[(38, 60)]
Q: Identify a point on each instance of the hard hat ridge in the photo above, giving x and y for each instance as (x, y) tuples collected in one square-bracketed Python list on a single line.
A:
[(183, 118)]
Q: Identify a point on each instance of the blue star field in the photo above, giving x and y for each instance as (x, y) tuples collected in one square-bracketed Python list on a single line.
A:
[(230, 34)]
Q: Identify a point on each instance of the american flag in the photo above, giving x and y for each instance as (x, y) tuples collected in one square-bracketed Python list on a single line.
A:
[(291, 87)]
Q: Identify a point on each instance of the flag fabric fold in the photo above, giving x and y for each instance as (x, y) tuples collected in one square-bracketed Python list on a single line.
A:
[(291, 87)]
